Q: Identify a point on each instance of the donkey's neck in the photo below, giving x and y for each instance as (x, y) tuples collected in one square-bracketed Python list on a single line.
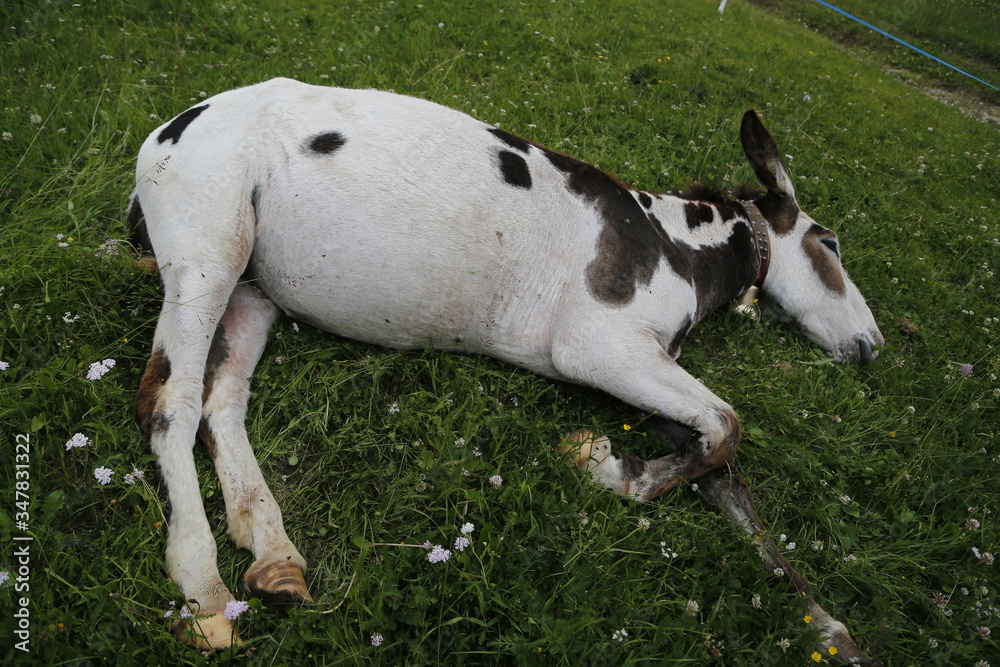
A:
[(708, 244)]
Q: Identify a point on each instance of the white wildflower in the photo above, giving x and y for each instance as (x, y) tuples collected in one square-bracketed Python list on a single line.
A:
[(438, 555), (234, 608), (103, 475), (134, 476), (99, 368), (78, 440)]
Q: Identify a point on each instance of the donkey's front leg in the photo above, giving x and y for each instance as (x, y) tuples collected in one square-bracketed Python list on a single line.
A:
[(727, 492), (635, 368)]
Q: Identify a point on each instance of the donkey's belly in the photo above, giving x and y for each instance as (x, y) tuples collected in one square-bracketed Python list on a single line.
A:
[(403, 285), (368, 295)]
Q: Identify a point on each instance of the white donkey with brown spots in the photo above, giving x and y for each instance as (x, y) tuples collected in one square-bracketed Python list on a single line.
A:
[(395, 221)]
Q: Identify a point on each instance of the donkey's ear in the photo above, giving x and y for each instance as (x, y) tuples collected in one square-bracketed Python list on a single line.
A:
[(762, 153)]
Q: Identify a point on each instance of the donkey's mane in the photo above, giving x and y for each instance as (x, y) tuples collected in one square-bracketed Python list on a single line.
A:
[(697, 191)]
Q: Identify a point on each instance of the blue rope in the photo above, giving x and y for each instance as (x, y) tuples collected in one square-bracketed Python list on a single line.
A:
[(920, 51)]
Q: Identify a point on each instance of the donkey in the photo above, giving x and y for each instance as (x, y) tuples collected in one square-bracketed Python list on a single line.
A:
[(399, 222)]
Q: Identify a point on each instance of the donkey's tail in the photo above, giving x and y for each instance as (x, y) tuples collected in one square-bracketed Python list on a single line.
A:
[(138, 235)]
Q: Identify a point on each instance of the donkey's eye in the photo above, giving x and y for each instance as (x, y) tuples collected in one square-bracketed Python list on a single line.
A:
[(832, 245)]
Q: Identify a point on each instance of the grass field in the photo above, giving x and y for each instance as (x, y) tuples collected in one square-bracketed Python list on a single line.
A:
[(884, 477), (962, 33)]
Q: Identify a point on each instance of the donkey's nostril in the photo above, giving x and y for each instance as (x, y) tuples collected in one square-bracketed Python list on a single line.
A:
[(866, 350)]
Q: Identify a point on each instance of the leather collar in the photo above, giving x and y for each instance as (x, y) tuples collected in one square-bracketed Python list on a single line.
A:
[(761, 237)]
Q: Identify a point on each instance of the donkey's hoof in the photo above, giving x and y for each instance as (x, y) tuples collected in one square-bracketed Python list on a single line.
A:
[(847, 653), (278, 582), (209, 631), (837, 644), (588, 449), (840, 648)]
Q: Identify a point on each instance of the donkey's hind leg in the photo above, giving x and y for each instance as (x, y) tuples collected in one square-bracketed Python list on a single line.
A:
[(169, 407), (255, 522), (202, 234)]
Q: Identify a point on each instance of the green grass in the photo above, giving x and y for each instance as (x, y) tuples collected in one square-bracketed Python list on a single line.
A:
[(909, 184), (962, 33)]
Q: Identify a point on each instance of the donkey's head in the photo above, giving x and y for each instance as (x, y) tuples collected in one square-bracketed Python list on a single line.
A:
[(806, 284)]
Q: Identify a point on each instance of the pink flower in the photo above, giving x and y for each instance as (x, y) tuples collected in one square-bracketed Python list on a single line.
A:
[(964, 369), (984, 556), (110, 247)]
